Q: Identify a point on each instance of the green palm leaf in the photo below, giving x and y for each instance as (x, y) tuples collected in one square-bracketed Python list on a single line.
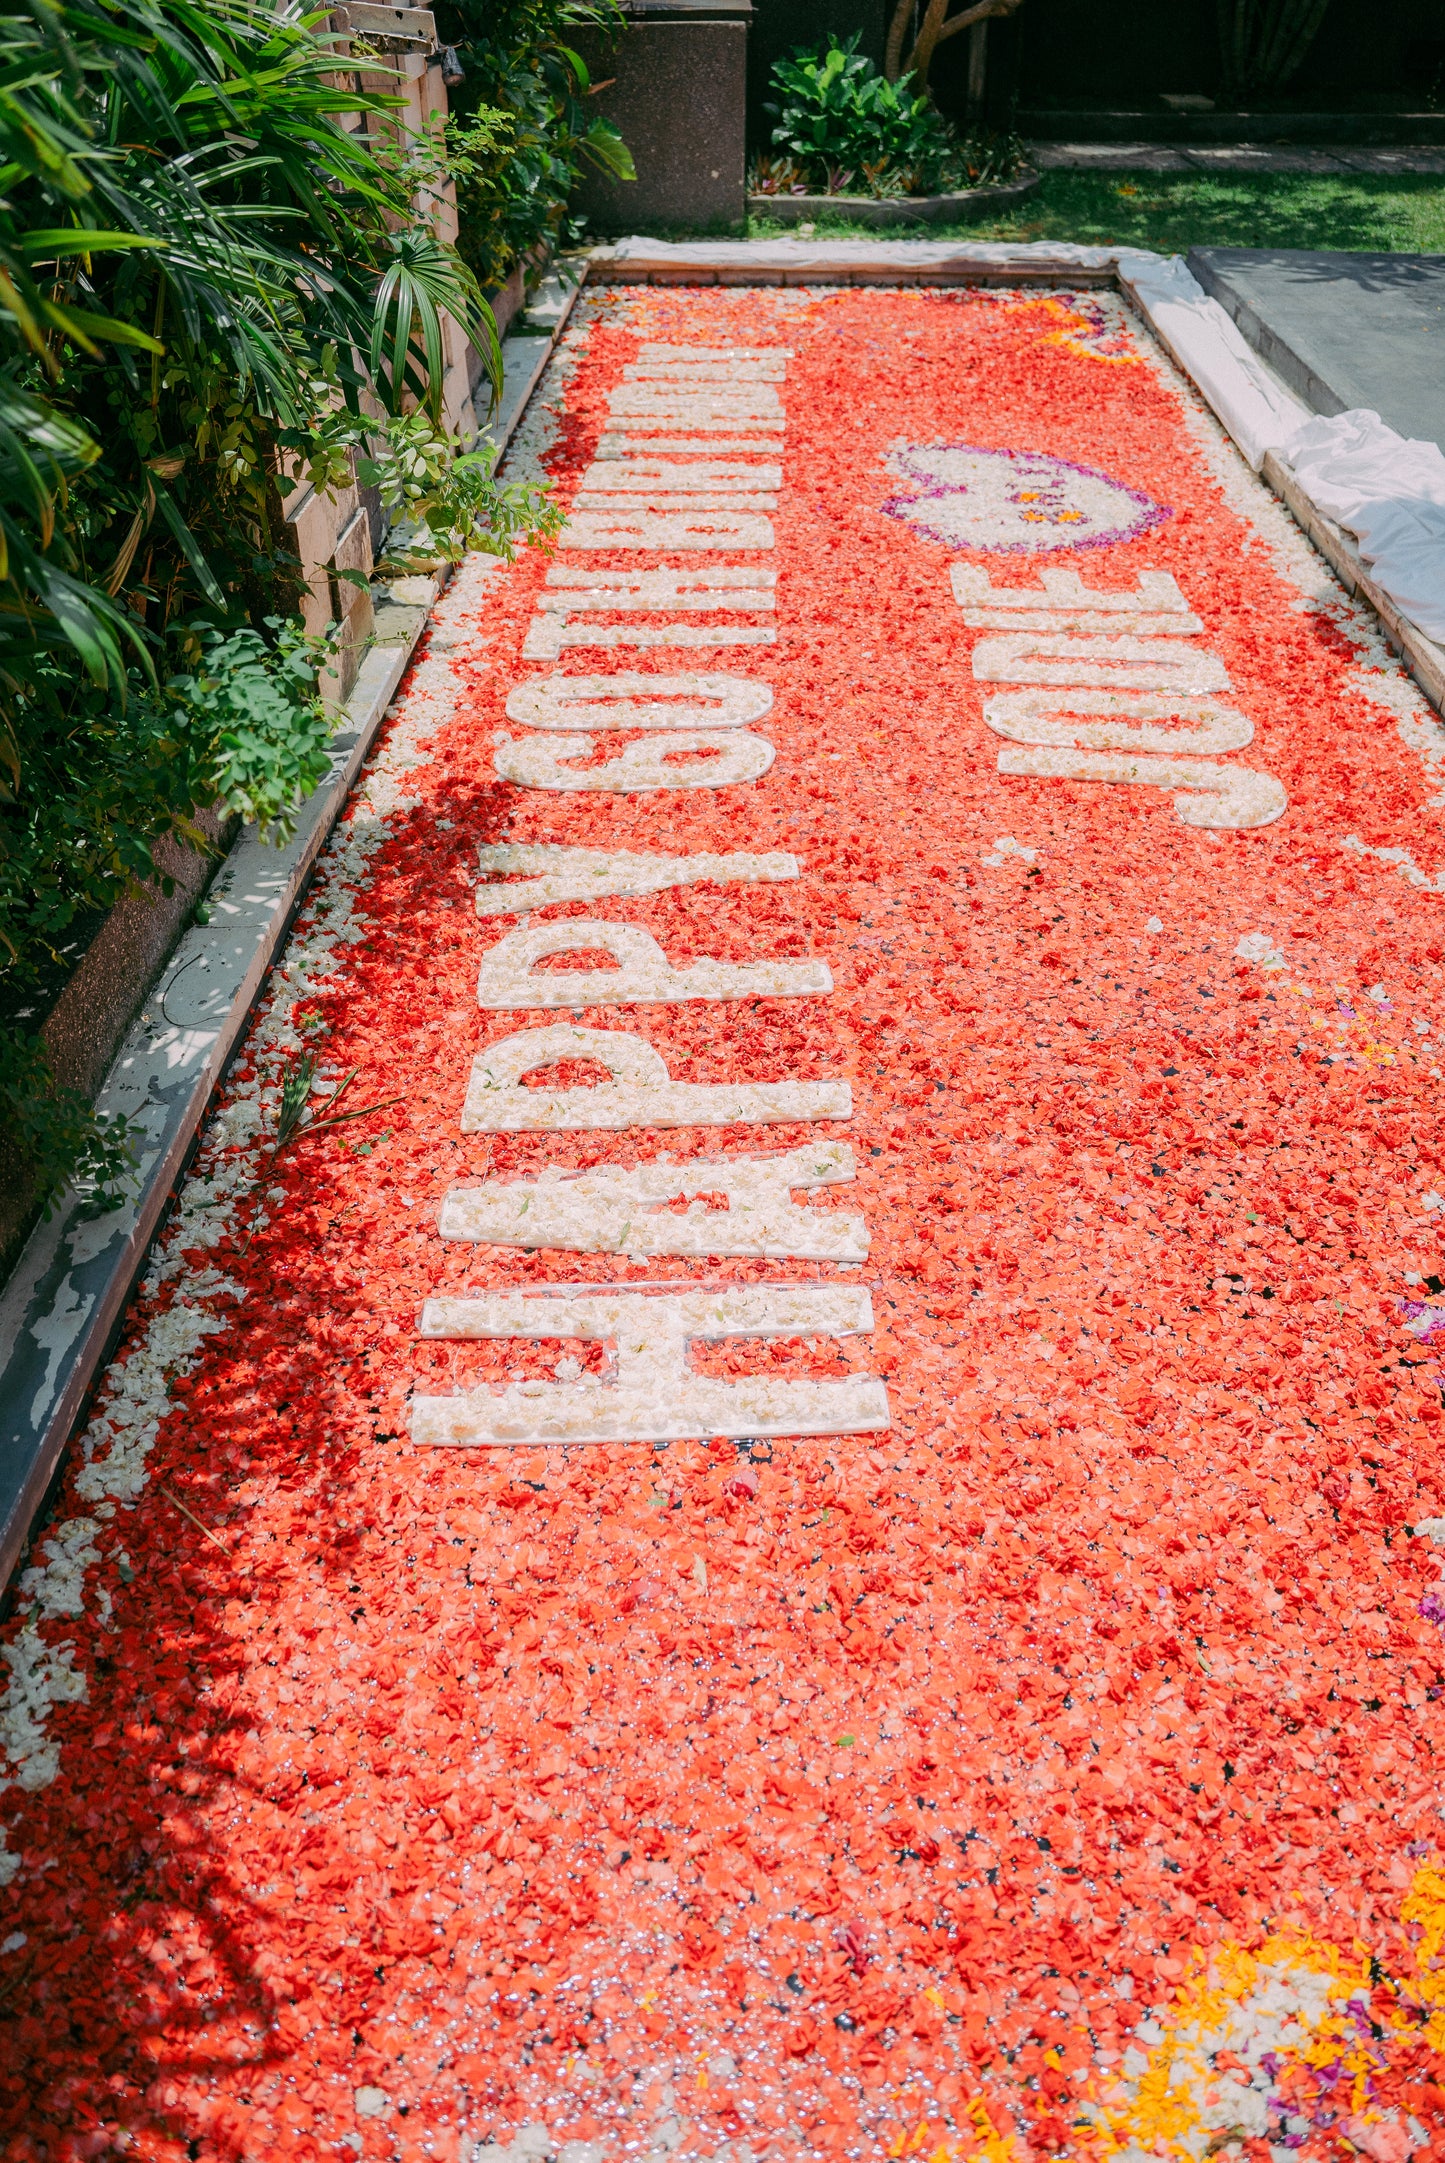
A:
[(423, 281), (206, 270)]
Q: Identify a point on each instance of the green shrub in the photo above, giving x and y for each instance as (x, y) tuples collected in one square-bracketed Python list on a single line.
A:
[(204, 273), (843, 129), (521, 134), (265, 716), (441, 506), (843, 125)]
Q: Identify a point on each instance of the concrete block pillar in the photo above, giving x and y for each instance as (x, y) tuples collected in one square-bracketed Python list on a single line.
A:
[(676, 81)]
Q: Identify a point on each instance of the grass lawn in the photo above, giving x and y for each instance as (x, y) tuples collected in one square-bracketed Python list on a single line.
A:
[(1173, 211)]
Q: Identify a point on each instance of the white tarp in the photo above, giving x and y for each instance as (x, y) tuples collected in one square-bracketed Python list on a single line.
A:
[(1390, 492), (1254, 405)]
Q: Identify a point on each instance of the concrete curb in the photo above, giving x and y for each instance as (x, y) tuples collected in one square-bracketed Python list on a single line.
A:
[(64, 1302), (642, 261), (69, 1290), (526, 352)]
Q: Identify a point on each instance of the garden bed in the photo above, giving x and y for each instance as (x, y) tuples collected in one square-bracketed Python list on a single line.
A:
[(886, 210)]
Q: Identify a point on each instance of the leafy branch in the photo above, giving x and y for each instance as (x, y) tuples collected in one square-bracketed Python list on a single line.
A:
[(292, 1122)]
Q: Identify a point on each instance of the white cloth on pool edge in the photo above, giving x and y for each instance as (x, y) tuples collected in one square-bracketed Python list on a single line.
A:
[(1390, 491), (1253, 404)]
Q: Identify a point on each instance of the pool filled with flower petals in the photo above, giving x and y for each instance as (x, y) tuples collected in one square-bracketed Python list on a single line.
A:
[(1033, 1749)]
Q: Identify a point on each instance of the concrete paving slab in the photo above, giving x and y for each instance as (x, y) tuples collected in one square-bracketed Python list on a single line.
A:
[(1260, 158), (1341, 329), (1424, 158), (1107, 158), (1098, 124), (1147, 157)]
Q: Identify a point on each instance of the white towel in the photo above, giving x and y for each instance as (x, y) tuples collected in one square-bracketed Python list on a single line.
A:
[(1389, 490)]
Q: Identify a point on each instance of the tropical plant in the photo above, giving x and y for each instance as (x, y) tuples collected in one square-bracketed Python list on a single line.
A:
[(913, 38), (208, 282), (523, 130), (441, 506), (842, 128), (842, 123)]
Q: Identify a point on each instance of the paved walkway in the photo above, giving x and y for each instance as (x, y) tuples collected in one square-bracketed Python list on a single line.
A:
[(815, 1534), (1233, 158)]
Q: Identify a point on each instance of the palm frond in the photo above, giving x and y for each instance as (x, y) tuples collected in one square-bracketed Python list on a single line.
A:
[(424, 280)]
